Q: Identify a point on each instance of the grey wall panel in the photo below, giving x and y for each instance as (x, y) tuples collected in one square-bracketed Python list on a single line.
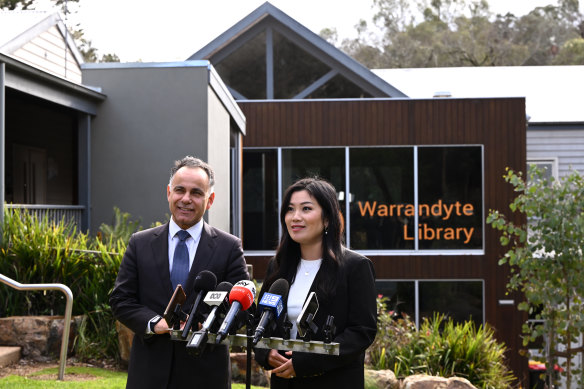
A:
[(152, 116), (565, 145)]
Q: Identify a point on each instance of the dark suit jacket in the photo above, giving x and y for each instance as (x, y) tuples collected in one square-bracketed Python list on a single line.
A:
[(143, 290), (355, 311)]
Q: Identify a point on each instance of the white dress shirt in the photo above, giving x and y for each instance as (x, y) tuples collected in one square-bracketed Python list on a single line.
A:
[(299, 290)]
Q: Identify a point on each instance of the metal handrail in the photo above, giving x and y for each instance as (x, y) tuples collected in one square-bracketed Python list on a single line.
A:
[(68, 309)]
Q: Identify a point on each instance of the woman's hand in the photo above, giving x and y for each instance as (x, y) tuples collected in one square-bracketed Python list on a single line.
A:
[(283, 366)]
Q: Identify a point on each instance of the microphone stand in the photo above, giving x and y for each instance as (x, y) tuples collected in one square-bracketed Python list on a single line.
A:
[(250, 332)]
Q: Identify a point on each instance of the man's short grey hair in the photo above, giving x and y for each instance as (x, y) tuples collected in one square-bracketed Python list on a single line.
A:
[(194, 162)]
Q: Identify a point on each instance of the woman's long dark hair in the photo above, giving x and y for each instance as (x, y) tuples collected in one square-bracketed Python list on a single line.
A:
[(288, 251)]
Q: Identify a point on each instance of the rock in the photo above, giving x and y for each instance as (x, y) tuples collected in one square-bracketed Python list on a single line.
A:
[(421, 381), (384, 379), (40, 337), (259, 377), (125, 338)]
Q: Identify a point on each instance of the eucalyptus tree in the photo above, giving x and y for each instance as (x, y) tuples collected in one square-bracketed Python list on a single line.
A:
[(440, 33)]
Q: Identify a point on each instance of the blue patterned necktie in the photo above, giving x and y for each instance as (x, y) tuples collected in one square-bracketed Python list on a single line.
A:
[(180, 262)]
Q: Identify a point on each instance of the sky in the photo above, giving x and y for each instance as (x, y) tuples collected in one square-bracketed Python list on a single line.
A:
[(173, 30)]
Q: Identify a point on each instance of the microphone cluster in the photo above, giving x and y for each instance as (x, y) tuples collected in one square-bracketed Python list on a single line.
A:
[(230, 310)]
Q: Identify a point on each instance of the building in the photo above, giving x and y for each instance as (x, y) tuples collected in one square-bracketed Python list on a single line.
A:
[(311, 110), (75, 151), (45, 118), (269, 101)]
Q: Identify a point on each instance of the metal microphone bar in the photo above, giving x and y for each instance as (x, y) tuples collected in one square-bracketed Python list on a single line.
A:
[(240, 340)]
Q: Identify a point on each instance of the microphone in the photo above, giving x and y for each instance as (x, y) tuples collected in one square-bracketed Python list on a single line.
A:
[(218, 299), (304, 323), (205, 281), (272, 305), (241, 298)]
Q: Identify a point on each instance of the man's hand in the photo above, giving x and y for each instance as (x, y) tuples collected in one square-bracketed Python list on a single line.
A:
[(162, 327)]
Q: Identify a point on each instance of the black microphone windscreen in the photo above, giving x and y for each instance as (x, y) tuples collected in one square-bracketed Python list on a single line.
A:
[(224, 286), (280, 287), (206, 280)]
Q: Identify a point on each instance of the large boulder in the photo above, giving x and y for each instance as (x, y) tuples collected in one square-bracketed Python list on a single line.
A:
[(39, 337), (384, 379), (421, 381)]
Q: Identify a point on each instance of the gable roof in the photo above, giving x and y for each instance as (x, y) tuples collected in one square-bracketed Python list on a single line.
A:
[(553, 94), (20, 27), (307, 40)]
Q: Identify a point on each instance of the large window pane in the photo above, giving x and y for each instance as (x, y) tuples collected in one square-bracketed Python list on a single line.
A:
[(328, 164), (338, 87), (401, 297), (294, 68), (450, 198), (382, 187), (260, 200), (245, 69), (460, 300)]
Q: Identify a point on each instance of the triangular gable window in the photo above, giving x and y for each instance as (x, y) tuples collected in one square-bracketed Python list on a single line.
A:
[(268, 65)]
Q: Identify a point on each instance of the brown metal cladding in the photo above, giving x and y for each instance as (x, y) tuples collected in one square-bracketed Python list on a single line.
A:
[(499, 124)]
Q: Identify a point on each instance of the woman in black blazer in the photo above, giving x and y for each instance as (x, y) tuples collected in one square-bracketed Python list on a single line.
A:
[(311, 258)]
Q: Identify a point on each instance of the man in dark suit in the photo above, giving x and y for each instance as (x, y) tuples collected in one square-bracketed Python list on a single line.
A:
[(154, 261)]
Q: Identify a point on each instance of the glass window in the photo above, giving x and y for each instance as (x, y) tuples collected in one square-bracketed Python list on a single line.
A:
[(401, 297), (244, 70), (294, 68), (459, 300), (338, 87), (260, 200), (328, 164), (382, 198), (549, 167), (450, 198)]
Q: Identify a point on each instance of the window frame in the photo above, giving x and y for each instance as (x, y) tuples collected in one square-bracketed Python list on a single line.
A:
[(382, 252)]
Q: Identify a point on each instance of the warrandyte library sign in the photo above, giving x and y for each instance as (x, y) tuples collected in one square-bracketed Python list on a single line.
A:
[(425, 231)]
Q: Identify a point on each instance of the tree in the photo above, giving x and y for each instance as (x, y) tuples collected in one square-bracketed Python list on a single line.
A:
[(547, 263), (462, 33), (27, 4)]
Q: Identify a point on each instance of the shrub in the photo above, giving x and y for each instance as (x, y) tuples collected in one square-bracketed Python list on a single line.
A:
[(39, 251), (440, 347)]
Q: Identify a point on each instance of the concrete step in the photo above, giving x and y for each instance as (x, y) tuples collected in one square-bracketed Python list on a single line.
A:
[(9, 355)]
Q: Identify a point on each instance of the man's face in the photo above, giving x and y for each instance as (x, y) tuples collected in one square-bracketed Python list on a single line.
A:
[(188, 196)]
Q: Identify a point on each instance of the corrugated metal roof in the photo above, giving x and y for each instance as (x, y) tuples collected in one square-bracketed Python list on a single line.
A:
[(553, 94)]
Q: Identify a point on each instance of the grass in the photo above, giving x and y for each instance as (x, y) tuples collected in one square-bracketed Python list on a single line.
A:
[(75, 377)]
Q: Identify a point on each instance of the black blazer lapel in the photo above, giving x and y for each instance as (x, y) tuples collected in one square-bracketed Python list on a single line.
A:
[(159, 246)]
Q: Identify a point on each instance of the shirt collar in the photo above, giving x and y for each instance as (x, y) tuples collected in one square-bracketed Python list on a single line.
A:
[(195, 230)]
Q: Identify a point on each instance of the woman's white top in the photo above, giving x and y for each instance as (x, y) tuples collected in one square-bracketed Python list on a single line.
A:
[(299, 290)]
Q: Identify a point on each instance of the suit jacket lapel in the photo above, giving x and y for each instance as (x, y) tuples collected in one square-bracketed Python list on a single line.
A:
[(160, 254)]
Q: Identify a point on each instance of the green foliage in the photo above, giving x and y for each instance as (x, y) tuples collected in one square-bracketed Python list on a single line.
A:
[(440, 348), (546, 260), (39, 251), (121, 229), (465, 33)]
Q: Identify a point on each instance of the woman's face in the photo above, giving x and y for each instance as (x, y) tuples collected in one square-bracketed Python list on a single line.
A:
[(304, 219)]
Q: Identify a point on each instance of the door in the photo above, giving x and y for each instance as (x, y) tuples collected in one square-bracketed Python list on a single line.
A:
[(30, 175)]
